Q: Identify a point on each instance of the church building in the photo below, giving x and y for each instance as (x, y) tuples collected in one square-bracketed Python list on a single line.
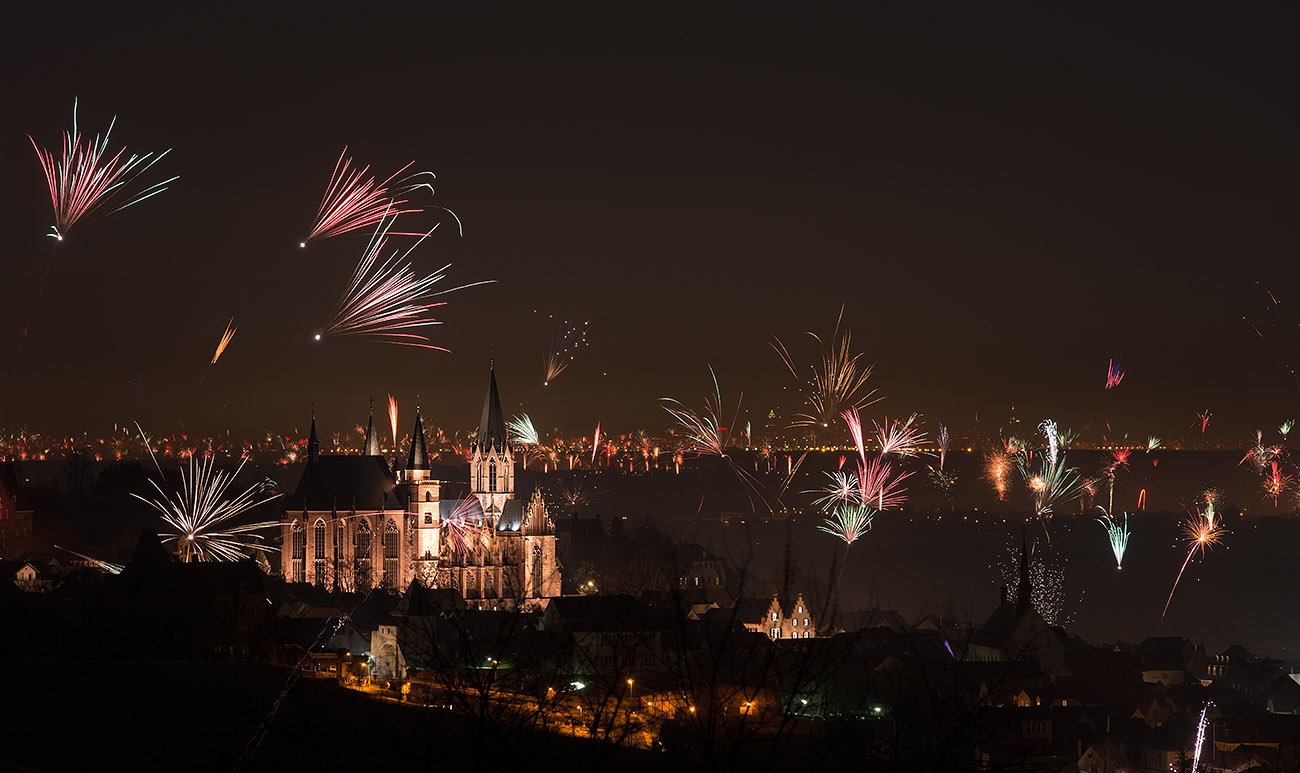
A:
[(355, 522)]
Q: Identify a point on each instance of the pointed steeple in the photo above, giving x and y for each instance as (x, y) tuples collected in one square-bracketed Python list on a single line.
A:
[(491, 425), (418, 458), (372, 437), (313, 442), (1025, 590)]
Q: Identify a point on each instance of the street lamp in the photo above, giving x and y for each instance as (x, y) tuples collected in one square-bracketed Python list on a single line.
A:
[(629, 688)]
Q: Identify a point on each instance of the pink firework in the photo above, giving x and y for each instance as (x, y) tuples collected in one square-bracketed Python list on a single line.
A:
[(1115, 371), (1205, 419), (354, 201), (595, 444), (901, 438), (387, 301), (86, 181), (880, 487)]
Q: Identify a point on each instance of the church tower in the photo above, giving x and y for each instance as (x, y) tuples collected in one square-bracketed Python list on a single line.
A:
[(422, 503), (491, 465)]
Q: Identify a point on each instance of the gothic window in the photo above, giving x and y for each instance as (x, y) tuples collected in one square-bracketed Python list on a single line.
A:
[(492, 475), (428, 519), (363, 555), (391, 543), (428, 496), (319, 554), (298, 559)]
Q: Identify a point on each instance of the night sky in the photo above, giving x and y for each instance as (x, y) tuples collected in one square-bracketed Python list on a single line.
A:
[(1001, 203)]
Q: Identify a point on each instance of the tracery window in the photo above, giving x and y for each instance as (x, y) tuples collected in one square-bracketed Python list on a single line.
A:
[(298, 556), (391, 545), (320, 555)]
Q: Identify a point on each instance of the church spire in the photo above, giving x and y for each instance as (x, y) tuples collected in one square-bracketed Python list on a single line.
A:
[(313, 442), (418, 458), (372, 437), (1025, 590), (491, 425)]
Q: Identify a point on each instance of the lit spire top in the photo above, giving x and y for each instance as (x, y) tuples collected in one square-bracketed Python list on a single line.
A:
[(418, 458), (491, 425), (372, 437), (313, 442)]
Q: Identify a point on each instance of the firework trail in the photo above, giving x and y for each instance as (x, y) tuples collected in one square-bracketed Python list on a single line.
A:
[(943, 439), (202, 516), (703, 434), (595, 444), (900, 438), (386, 300), (1200, 737), (1115, 371), (563, 346), (225, 340), (836, 382), (1117, 533), (1203, 532), (392, 417), (1119, 461), (353, 201), (880, 486), (86, 182)]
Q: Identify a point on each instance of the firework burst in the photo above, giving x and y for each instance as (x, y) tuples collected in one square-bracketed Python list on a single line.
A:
[(1115, 371), (900, 438), (202, 516), (386, 301), (353, 200), (563, 346), (1053, 482), (703, 434), (520, 430), (1117, 533), (1203, 532), (848, 522), (87, 182), (1275, 483), (837, 381), (1204, 418)]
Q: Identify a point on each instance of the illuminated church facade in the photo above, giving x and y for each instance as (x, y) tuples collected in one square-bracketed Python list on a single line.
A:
[(355, 523)]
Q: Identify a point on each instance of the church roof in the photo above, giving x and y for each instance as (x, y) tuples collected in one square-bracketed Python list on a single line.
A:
[(418, 458), (337, 482), (491, 425)]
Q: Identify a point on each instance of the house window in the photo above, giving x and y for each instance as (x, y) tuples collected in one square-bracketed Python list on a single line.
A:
[(428, 519), (319, 555), (805, 621), (774, 617), (428, 496), (776, 633), (799, 610)]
